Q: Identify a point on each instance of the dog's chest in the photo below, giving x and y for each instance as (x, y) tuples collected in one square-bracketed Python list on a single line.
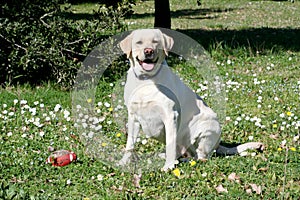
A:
[(149, 115), (150, 107)]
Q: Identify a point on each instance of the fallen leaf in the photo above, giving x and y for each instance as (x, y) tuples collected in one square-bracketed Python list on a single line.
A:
[(221, 189), (74, 136), (119, 189), (275, 137), (248, 191), (51, 149), (255, 188), (136, 180), (111, 174), (262, 157), (38, 151), (234, 177), (263, 169), (15, 180)]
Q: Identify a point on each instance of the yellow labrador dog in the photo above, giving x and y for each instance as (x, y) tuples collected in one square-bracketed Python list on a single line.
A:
[(165, 108)]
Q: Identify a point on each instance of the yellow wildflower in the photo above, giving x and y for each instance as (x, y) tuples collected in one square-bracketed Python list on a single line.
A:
[(279, 149), (110, 109), (293, 149), (288, 113), (193, 163), (176, 172), (104, 144), (89, 100), (274, 125), (118, 134), (86, 198)]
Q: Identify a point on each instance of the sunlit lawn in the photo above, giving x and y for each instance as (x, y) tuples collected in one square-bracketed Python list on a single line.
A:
[(262, 104)]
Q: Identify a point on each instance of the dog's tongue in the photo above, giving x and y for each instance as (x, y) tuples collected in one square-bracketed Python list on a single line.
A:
[(148, 66)]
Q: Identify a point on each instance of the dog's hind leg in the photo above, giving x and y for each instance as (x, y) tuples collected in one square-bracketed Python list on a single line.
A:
[(208, 140)]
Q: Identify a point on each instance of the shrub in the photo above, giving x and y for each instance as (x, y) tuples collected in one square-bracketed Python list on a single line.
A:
[(41, 41)]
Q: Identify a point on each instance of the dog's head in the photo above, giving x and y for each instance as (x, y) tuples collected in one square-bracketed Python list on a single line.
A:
[(146, 49)]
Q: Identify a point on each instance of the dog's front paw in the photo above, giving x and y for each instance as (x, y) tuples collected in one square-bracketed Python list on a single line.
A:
[(121, 163), (125, 159), (169, 165), (162, 155)]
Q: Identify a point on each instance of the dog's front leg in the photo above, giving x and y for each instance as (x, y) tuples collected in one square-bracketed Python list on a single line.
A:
[(133, 130), (171, 140)]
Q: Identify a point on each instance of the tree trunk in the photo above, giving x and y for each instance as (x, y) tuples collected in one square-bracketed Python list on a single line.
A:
[(162, 14)]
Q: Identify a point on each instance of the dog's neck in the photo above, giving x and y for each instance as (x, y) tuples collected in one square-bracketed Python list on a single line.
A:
[(149, 76)]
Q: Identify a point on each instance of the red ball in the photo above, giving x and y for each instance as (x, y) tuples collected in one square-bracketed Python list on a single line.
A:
[(61, 158)]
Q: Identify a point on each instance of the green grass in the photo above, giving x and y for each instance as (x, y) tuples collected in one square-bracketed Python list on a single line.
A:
[(258, 56)]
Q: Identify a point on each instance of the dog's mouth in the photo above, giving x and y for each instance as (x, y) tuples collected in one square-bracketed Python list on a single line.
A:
[(147, 64)]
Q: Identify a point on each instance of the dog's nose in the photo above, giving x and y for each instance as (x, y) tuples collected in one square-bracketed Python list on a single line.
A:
[(148, 51)]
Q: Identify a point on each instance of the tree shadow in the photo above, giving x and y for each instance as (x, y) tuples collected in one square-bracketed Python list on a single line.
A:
[(106, 2), (199, 13), (254, 39), (187, 13), (78, 16)]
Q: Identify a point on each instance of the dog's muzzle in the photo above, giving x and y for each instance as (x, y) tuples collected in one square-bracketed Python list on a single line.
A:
[(147, 64)]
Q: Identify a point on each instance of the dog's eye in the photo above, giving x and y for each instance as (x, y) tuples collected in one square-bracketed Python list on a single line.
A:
[(154, 41), (139, 42)]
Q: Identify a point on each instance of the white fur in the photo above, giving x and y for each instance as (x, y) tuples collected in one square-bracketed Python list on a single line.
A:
[(164, 106)]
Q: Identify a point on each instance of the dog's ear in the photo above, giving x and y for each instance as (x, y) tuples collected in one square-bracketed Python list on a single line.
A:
[(126, 45), (168, 43)]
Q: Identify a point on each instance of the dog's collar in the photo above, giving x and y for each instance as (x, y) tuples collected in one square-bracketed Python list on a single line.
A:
[(146, 76)]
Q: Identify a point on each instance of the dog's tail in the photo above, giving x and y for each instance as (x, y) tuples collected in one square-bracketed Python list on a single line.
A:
[(221, 150)]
